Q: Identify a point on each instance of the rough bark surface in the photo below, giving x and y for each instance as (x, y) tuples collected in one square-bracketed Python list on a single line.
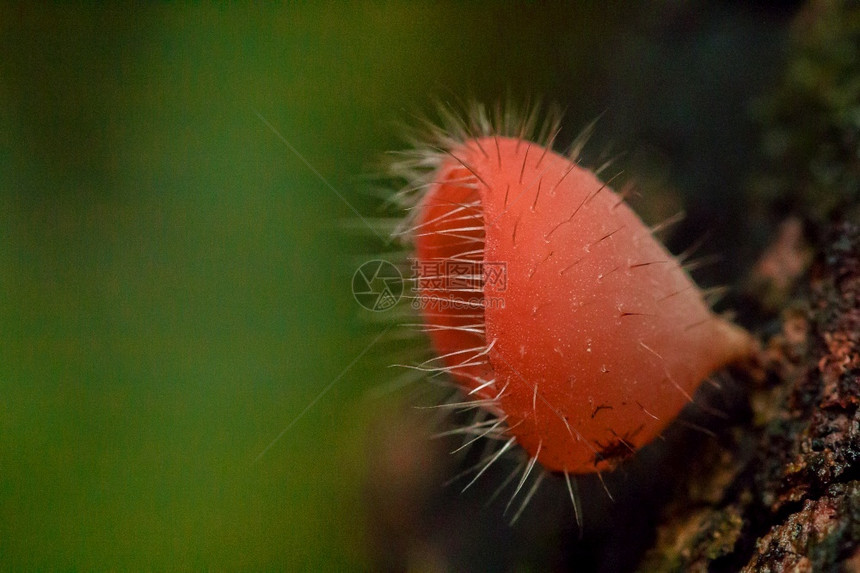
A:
[(784, 491), (792, 500)]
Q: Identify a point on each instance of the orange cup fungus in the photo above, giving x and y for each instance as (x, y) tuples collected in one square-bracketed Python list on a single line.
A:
[(551, 304)]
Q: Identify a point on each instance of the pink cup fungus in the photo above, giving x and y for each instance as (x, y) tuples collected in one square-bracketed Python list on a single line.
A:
[(550, 303)]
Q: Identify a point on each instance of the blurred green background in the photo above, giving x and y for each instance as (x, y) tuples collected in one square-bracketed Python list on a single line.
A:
[(175, 282)]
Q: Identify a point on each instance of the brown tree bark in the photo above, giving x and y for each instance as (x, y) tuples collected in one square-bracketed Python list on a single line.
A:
[(782, 492), (792, 502)]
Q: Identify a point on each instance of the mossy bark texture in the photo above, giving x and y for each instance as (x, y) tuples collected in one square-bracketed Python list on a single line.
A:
[(793, 500), (785, 495)]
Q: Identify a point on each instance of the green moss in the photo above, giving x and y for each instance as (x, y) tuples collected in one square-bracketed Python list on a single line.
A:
[(812, 119)]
